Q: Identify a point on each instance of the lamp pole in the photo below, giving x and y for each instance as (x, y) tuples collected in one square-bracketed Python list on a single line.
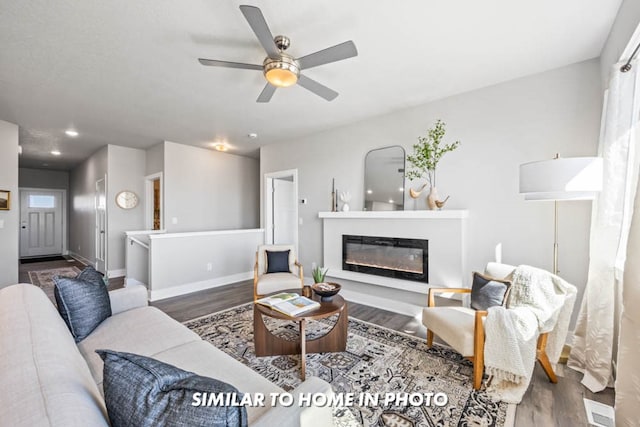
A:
[(555, 237)]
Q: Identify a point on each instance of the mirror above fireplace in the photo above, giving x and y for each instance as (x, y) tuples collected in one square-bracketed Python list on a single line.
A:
[(384, 179)]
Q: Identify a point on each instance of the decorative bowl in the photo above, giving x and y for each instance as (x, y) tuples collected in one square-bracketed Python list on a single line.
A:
[(326, 290)]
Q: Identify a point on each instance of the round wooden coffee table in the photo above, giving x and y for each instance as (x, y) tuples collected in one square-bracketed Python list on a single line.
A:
[(268, 344)]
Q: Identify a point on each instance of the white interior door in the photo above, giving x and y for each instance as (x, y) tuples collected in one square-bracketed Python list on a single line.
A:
[(40, 223), (101, 226), (284, 212)]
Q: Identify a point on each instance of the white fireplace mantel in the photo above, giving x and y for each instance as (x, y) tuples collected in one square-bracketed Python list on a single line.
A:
[(446, 214)]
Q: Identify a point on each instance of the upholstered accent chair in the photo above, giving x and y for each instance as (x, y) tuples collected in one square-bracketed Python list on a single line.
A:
[(462, 328), (266, 283)]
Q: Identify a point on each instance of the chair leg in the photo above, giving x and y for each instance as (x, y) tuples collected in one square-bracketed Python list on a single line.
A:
[(542, 357), (478, 370), (429, 338)]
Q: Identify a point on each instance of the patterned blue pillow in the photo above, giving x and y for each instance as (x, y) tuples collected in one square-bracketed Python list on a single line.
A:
[(278, 261), (488, 292), (144, 392), (90, 274), (82, 304)]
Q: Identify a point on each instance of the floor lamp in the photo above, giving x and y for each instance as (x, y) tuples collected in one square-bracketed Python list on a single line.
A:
[(573, 178)]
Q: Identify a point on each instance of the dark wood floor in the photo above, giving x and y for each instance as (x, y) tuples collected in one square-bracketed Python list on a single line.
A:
[(544, 404)]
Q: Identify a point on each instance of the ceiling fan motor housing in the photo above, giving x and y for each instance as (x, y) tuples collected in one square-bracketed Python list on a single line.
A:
[(282, 42), (282, 71)]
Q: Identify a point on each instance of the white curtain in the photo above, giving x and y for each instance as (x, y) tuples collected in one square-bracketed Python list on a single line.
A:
[(596, 334)]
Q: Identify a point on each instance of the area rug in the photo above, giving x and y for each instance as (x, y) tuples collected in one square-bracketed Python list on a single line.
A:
[(377, 360), (44, 278)]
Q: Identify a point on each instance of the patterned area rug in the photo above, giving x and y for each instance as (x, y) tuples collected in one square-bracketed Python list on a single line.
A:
[(377, 360), (44, 278)]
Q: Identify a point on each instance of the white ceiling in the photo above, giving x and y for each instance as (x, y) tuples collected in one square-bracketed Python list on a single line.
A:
[(126, 72)]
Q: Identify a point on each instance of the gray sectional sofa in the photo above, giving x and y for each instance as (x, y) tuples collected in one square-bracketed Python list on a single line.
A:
[(48, 380)]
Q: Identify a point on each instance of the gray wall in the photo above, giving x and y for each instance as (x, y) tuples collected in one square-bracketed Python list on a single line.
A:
[(9, 182), (623, 27), (155, 159), (126, 171), (43, 178), (209, 190), (500, 127), (82, 216)]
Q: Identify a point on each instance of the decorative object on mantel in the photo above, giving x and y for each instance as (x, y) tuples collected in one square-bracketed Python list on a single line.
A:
[(345, 198), (334, 200), (416, 193), (319, 274), (424, 160), (326, 290)]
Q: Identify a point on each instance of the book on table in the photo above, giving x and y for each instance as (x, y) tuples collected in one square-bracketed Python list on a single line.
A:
[(289, 303)]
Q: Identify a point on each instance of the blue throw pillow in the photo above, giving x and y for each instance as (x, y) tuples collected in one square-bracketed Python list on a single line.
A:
[(82, 304), (90, 274), (278, 261), (488, 292), (144, 392)]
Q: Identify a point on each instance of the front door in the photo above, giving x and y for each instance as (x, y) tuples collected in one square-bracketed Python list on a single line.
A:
[(40, 223), (101, 226)]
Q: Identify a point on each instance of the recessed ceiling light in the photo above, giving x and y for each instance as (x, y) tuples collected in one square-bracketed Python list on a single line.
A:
[(390, 200), (72, 133), (56, 153), (369, 192), (401, 189), (19, 149), (45, 164), (253, 135), (221, 146)]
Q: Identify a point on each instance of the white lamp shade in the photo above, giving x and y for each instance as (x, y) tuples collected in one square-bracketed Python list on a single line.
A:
[(574, 178)]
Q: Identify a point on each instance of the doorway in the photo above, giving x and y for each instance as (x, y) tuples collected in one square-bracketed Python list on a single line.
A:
[(101, 225), (42, 222), (154, 214), (281, 207)]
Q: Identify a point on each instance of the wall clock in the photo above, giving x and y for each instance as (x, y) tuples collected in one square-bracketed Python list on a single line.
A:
[(127, 199)]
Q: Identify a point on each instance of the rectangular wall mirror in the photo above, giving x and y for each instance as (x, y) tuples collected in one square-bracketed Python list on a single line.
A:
[(384, 179)]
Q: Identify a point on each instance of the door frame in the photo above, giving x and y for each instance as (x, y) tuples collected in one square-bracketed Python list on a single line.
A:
[(65, 233), (106, 225), (148, 200), (268, 217)]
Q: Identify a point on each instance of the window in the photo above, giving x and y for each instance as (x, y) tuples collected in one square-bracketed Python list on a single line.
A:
[(42, 202)]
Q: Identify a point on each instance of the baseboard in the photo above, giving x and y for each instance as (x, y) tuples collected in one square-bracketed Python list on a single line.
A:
[(117, 273), (128, 281), (81, 259), (187, 288), (382, 303)]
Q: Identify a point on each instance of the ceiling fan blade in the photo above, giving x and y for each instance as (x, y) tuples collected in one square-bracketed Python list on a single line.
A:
[(317, 88), (227, 64), (267, 93), (331, 54), (256, 21)]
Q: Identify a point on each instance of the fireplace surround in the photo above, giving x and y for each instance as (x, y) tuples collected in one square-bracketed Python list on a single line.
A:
[(395, 257)]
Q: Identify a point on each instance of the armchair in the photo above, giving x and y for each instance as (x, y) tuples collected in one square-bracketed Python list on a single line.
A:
[(265, 283), (463, 328)]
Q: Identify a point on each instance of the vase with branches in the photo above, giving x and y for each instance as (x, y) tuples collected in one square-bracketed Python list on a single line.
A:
[(425, 158)]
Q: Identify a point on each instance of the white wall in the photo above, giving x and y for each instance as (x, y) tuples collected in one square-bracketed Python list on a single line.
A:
[(10, 219), (126, 171), (155, 159), (209, 190), (623, 28), (82, 217), (43, 178), (500, 127)]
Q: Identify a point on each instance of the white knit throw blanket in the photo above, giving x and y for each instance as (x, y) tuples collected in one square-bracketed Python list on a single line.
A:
[(538, 302)]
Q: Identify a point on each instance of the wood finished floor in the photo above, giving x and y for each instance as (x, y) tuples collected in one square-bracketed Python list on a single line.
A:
[(544, 404)]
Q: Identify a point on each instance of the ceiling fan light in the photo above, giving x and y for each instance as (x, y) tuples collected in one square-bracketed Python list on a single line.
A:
[(281, 72)]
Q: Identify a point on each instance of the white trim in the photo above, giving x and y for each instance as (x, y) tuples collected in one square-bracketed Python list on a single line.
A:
[(121, 272), (64, 202), (148, 200), (382, 303), (144, 232), (448, 214), (268, 180), (81, 259), (106, 225), (188, 288), (405, 285), (204, 233)]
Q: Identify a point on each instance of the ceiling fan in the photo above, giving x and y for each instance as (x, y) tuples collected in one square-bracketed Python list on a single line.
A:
[(281, 69)]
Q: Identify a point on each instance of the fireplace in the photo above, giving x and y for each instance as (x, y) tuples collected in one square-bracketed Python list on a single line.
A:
[(387, 256)]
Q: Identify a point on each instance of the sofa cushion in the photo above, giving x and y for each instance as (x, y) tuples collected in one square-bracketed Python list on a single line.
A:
[(83, 304), (145, 331), (455, 325), (276, 282), (278, 261), (487, 291), (141, 391), (204, 359), (44, 380)]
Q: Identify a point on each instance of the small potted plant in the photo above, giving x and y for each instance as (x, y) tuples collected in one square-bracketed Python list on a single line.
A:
[(319, 274), (426, 155)]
